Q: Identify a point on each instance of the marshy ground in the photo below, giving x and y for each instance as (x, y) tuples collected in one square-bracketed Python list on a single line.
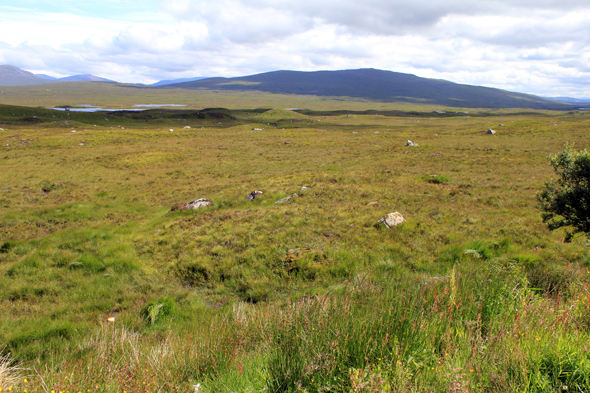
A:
[(472, 293)]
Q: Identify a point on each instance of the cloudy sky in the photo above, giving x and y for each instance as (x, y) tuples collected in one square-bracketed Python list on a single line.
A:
[(533, 46)]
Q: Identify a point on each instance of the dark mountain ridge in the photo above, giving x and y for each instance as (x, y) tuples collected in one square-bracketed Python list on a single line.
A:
[(377, 85)]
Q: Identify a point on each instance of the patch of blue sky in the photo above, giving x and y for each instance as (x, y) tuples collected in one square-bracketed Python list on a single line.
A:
[(144, 11)]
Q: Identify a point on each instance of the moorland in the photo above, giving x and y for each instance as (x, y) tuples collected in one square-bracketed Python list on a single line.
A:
[(103, 288)]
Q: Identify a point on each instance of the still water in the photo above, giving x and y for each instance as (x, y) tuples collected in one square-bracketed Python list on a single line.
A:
[(92, 108)]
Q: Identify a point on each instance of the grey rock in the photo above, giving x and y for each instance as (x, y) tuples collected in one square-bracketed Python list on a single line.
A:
[(253, 195), (194, 205), (199, 203), (287, 198)]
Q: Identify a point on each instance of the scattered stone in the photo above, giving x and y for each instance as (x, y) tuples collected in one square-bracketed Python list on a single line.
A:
[(287, 198), (194, 205), (412, 144), (171, 130), (373, 204), (253, 195), (391, 220), (376, 132), (256, 129), (501, 125), (304, 188), (187, 127), (490, 132)]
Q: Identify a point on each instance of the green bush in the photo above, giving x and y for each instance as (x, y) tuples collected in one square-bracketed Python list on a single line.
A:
[(566, 202)]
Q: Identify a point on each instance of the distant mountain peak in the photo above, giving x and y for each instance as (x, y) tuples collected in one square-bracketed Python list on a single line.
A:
[(179, 80), (14, 76), (84, 78)]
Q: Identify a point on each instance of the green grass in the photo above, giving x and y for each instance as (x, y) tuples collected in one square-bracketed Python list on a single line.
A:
[(472, 292)]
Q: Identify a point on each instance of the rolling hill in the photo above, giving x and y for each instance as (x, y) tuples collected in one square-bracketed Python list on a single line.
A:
[(14, 76), (376, 85)]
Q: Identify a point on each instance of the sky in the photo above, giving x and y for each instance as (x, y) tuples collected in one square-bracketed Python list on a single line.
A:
[(532, 46)]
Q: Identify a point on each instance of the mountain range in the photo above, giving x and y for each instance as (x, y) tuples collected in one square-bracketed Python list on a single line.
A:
[(366, 84), (570, 100), (14, 76)]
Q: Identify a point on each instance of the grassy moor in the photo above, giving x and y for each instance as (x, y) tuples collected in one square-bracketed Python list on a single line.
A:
[(104, 287)]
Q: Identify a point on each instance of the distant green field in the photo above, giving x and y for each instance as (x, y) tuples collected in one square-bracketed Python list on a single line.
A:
[(472, 293), (114, 95)]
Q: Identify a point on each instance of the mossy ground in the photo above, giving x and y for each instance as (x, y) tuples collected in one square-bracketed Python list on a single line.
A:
[(472, 293)]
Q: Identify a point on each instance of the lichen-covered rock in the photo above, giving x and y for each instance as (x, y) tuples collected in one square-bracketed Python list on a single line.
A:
[(196, 204), (391, 220), (253, 195), (287, 198), (199, 203)]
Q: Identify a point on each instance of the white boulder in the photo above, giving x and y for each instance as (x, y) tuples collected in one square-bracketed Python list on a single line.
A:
[(198, 203), (391, 220)]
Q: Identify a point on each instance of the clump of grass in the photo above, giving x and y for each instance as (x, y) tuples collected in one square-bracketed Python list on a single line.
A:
[(437, 179), (10, 373), (551, 280), (6, 246), (157, 309)]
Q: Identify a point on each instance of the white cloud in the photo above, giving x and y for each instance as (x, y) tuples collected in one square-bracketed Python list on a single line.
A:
[(531, 46)]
